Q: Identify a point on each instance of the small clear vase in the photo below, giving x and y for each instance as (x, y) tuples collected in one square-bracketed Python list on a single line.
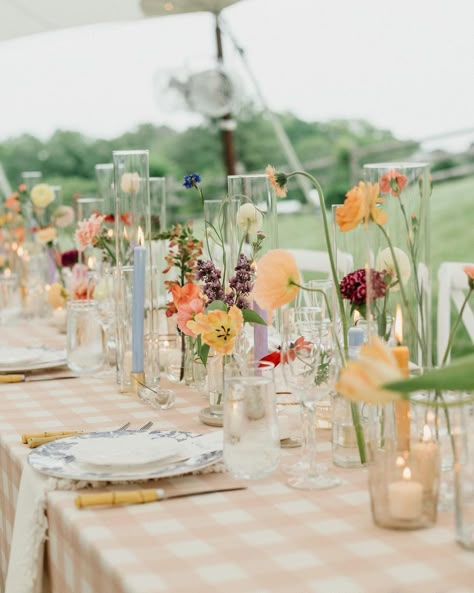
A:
[(403, 482), (464, 473), (345, 449)]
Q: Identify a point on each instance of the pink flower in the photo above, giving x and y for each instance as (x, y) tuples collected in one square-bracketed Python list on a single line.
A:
[(277, 181), (393, 182), (80, 283), (88, 231), (187, 312), (469, 271)]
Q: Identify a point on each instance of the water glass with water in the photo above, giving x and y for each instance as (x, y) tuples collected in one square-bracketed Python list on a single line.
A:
[(85, 338), (251, 434)]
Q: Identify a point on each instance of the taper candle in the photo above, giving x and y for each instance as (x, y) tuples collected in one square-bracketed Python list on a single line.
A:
[(402, 407), (138, 305)]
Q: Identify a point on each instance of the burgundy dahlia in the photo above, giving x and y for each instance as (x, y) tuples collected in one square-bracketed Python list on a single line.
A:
[(69, 258), (354, 286)]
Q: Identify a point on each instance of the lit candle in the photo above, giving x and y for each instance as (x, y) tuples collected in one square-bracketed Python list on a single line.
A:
[(138, 305), (260, 335), (405, 497), (425, 455), (402, 407)]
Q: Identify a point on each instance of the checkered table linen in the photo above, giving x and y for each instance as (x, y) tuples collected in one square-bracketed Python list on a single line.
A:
[(267, 539)]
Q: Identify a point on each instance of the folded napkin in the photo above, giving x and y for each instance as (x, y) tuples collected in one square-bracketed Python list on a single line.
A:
[(39, 438)]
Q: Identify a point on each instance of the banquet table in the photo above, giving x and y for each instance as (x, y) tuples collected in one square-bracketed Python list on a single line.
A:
[(268, 538)]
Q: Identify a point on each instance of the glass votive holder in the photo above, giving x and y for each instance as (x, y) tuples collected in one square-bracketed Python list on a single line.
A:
[(251, 432), (85, 338), (9, 297), (403, 484), (157, 397)]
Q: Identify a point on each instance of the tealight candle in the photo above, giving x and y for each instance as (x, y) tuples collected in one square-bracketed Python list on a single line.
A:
[(402, 407), (284, 426), (426, 456), (405, 497)]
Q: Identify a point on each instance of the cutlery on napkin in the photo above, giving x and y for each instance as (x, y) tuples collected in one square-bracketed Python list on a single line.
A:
[(141, 496), (20, 378)]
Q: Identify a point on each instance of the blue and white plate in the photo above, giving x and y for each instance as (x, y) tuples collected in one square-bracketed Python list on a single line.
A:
[(194, 452), (18, 360)]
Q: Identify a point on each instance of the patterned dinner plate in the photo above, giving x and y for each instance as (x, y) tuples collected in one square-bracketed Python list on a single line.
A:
[(18, 360), (57, 458)]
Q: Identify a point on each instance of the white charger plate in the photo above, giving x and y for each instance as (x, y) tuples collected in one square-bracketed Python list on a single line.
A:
[(57, 458), (18, 360), (133, 449)]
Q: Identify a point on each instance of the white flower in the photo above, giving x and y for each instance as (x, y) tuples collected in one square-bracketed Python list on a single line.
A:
[(42, 195), (130, 183), (249, 218), (63, 216), (385, 262)]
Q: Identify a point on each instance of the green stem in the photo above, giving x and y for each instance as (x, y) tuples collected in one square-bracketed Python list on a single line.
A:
[(354, 407), (454, 328), (402, 288)]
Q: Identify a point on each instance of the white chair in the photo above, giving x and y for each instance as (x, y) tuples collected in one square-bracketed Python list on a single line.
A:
[(452, 286), (309, 260)]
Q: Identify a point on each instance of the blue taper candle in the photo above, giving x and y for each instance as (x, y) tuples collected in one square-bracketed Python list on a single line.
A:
[(138, 306)]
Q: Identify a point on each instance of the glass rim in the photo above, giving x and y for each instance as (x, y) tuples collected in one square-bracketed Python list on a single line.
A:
[(251, 176), (162, 178), (88, 199), (104, 166), (130, 152), (397, 165), (31, 174), (81, 303)]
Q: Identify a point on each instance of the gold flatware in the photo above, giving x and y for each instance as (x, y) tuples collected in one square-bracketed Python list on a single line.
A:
[(20, 378), (141, 496), (36, 439)]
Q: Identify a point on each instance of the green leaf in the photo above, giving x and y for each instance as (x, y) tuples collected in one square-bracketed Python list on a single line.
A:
[(217, 306), (250, 316), (458, 376), (204, 353)]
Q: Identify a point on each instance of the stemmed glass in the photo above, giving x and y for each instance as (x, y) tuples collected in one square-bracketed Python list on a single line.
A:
[(309, 371)]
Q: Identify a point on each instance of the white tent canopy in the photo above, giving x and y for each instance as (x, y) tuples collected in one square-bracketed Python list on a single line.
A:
[(26, 17)]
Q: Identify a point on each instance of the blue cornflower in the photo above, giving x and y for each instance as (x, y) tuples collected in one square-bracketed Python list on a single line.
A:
[(190, 181)]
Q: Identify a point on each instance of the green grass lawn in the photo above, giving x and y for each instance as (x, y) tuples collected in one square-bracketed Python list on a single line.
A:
[(452, 235)]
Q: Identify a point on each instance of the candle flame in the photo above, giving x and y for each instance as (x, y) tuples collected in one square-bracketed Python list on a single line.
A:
[(91, 262), (125, 235), (356, 317), (398, 325), (406, 474), (141, 238), (20, 251), (400, 462), (426, 434)]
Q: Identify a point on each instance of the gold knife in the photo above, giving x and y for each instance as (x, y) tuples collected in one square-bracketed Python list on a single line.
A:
[(20, 378), (141, 496)]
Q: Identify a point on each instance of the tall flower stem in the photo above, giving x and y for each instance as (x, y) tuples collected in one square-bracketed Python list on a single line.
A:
[(354, 408), (402, 289), (455, 327)]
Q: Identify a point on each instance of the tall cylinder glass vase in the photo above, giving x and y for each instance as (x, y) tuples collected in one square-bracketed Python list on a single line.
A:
[(256, 217), (158, 246), (132, 218), (220, 234), (399, 248)]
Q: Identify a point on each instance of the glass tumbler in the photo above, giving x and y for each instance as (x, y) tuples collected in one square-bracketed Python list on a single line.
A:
[(85, 338), (251, 433)]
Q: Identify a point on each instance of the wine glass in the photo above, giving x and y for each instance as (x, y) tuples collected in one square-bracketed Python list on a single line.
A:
[(309, 370)]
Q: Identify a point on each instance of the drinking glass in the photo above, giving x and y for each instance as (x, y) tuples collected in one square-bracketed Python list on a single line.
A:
[(251, 434), (85, 338), (309, 370)]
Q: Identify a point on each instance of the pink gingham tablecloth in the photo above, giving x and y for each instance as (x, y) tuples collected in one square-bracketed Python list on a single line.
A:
[(266, 539)]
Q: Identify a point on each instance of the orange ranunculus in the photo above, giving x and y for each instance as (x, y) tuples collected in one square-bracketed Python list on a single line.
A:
[(47, 234), (218, 328), (277, 274), (12, 203), (361, 204), (363, 379), (277, 181), (393, 182)]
